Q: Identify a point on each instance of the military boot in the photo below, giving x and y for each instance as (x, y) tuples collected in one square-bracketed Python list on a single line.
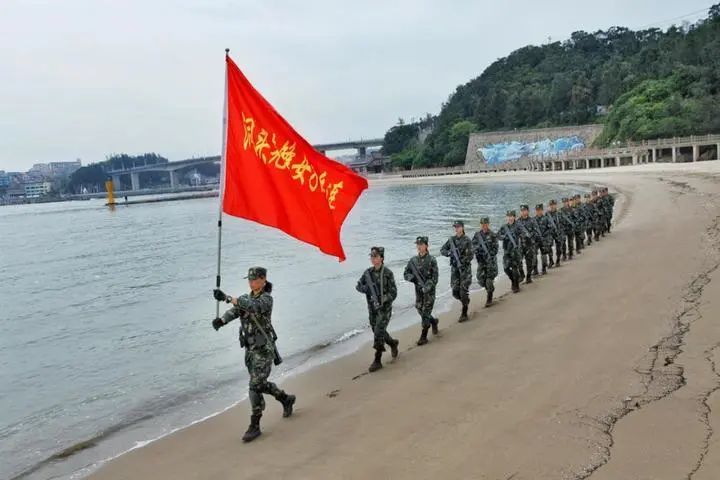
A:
[(253, 430), (463, 315), (394, 352), (544, 269), (528, 278), (488, 300), (423, 336), (515, 285), (434, 325), (377, 364), (287, 402), (552, 262)]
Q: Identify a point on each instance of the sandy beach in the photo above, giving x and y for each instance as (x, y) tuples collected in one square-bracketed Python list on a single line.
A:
[(605, 368)]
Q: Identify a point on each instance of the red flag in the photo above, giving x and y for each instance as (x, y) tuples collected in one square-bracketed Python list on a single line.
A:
[(273, 176)]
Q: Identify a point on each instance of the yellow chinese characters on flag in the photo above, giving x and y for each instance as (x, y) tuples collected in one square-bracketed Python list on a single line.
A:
[(273, 176)]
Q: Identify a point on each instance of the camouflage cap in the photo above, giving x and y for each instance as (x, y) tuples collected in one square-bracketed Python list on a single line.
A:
[(485, 221), (377, 252), (420, 240), (594, 192), (565, 199), (256, 272), (539, 206), (553, 202), (524, 207), (587, 195), (459, 223), (510, 213)]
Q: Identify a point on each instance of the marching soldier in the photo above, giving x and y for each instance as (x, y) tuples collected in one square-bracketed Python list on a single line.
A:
[(568, 224), (609, 207), (556, 230), (485, 245), (579, 220), (258, 337), (590, 217), (422, 270), (545, 242), (599, 225), (378, 285), (529, 241), (509, 235), (459, 249)]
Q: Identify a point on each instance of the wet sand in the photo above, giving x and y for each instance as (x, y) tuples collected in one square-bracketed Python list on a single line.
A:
[(604, 368)]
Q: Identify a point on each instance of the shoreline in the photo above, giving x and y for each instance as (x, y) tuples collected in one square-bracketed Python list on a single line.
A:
[(406, 333), (323, 385), (118, 439)]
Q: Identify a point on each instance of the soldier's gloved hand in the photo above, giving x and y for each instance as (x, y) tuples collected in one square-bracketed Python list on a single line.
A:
[(427, 288), (376, 305), (409, 277), (217, 323), (220, 295)]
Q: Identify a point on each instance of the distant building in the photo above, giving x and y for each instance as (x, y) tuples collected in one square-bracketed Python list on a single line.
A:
[(38, 189), (15, 192), (4, 179), (41, 171), (373, 162), (64, 169)]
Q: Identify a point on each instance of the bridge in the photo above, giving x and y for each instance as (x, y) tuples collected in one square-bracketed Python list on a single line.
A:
[(173, 168), (360, 145)]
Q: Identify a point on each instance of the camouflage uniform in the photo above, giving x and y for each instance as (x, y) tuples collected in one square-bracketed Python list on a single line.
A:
[(461, 275), (530, 239), (258, 337), (427, 267), (557, 233), (599, 225), (579, 219), (609, 207), (568, 225), (509, 235), (485, 246), (379, 317), (545, 235), (590, 217)]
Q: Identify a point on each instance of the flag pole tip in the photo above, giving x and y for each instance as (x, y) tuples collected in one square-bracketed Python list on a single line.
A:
[(227, 50)]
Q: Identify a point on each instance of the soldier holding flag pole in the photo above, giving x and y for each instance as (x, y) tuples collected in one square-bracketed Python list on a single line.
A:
[(269, 174)]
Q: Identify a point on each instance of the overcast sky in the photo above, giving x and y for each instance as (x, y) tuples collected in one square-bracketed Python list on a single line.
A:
[(88, 78)]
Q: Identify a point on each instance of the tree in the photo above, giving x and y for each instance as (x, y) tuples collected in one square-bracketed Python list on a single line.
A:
[(89, 177)]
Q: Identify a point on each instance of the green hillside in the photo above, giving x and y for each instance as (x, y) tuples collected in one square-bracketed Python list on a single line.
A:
[(655, 84)]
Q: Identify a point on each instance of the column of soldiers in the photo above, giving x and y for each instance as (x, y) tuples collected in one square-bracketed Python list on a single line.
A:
[(523, 239)]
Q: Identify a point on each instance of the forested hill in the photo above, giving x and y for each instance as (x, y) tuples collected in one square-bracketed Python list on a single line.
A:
[(655, 83)]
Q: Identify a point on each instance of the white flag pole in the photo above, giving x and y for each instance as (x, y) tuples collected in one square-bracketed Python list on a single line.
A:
[(222, 181)]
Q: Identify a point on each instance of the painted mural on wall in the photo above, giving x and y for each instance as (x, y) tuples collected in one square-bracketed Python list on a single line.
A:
[(497, 153)]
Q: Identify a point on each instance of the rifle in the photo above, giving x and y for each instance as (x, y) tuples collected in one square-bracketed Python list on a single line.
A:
[(456, 256), (277, 359), (525, 230), (552, 222), (374, 297), (416, 274), (567, 217), (484, 247), (537, 230), (511, 238)]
